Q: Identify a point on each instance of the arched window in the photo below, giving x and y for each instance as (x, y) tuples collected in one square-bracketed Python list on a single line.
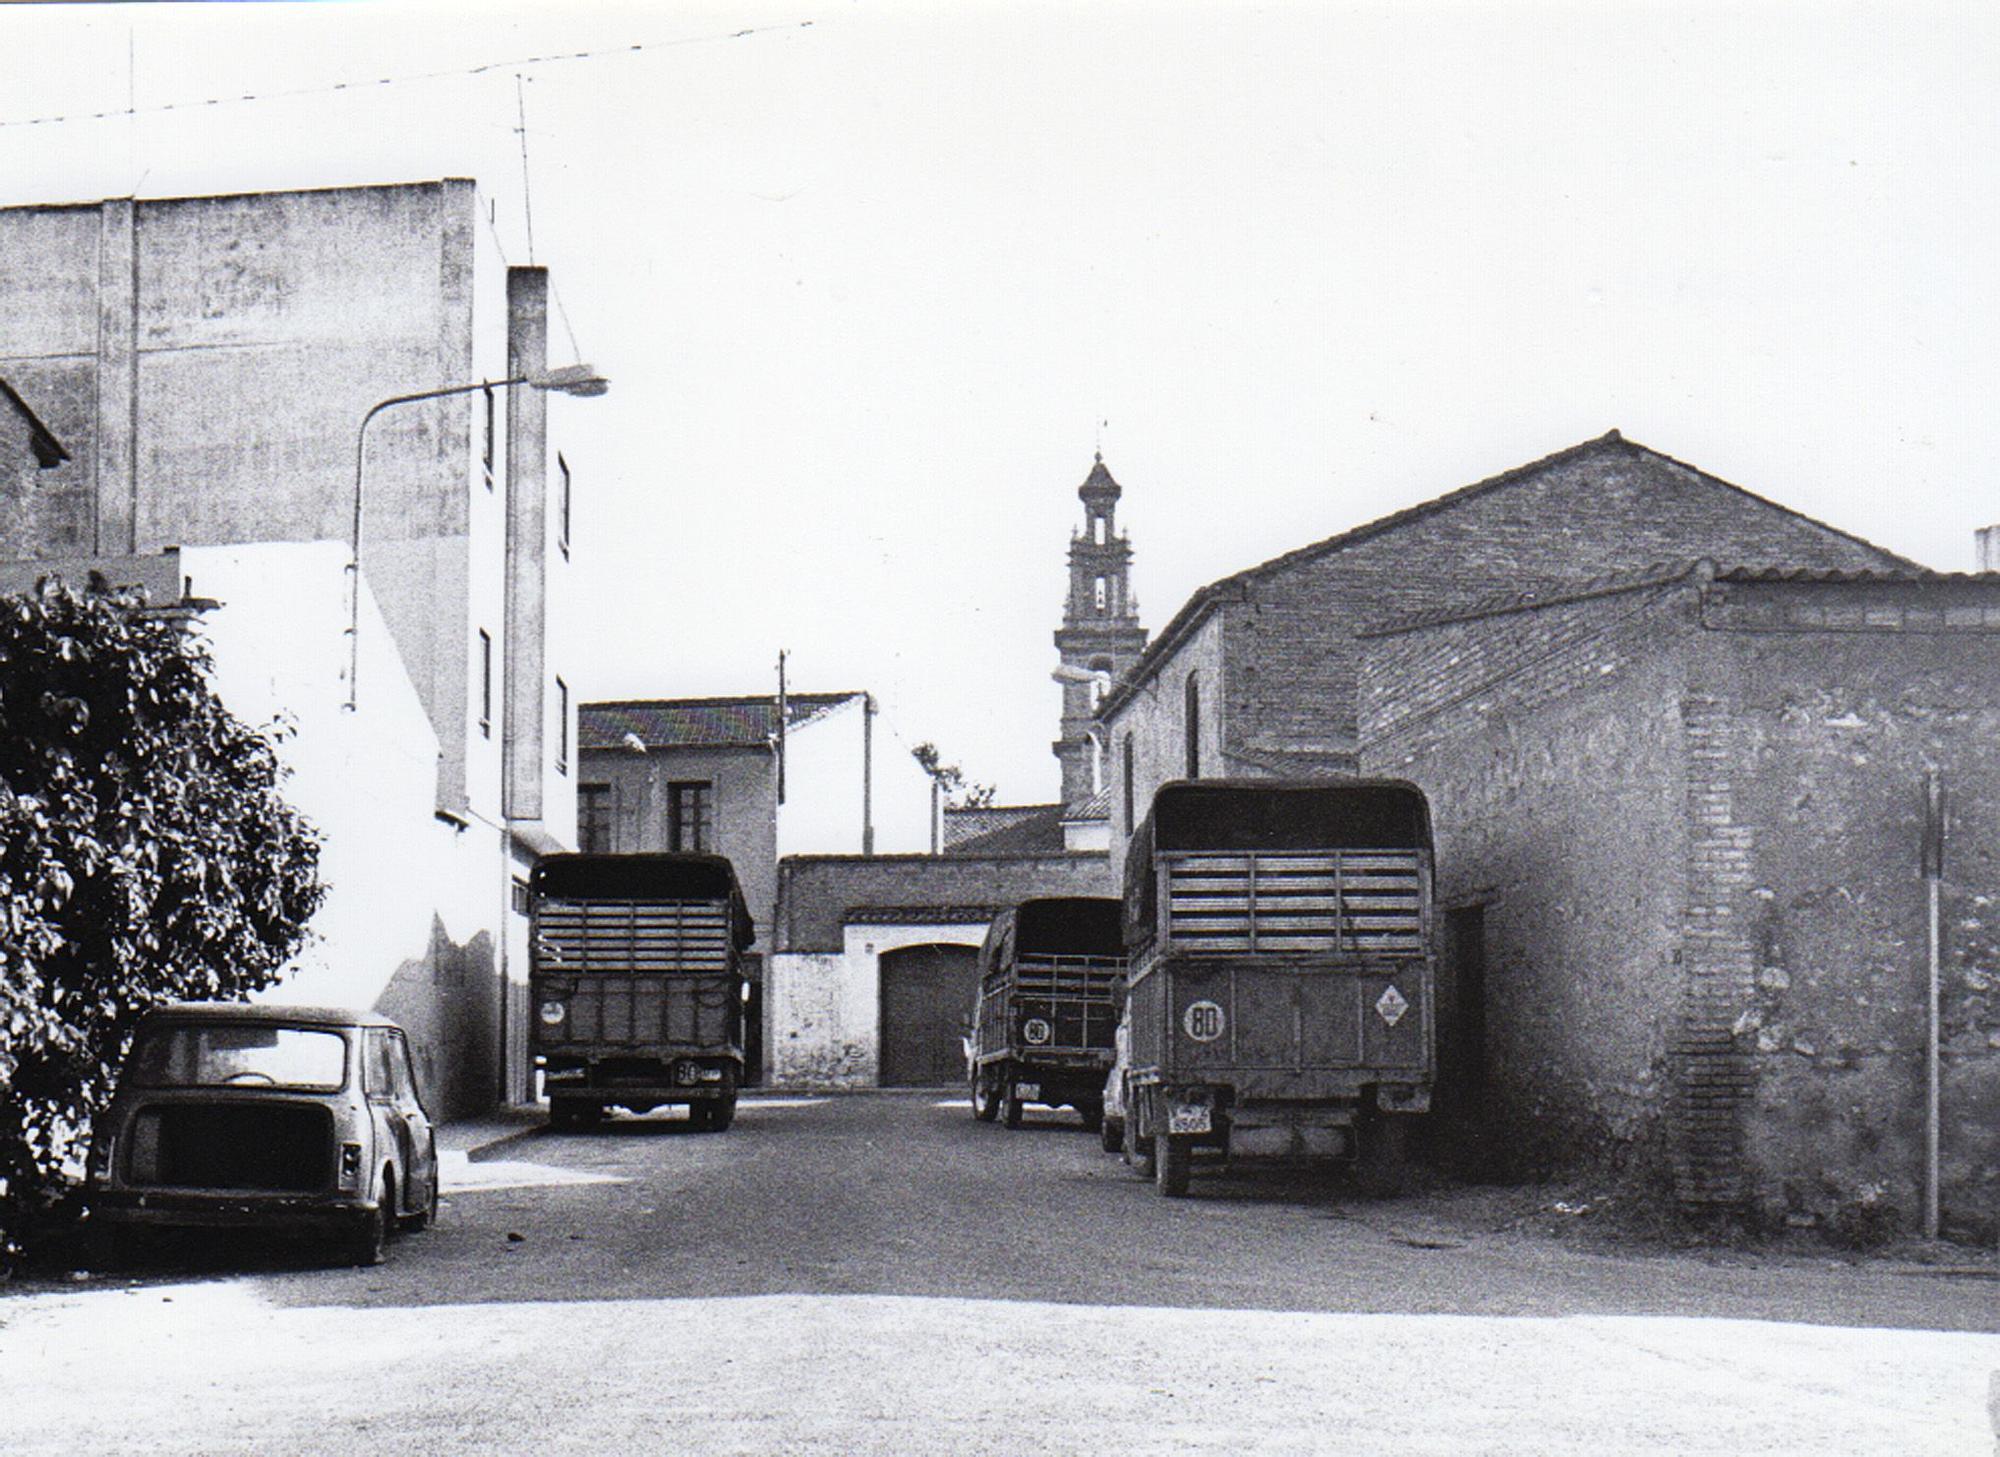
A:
[(1192, 726), (1096, 762), (1125, 761), (1101, 594)]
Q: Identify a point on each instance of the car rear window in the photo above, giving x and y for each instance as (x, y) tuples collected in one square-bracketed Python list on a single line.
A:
[(240, 1056)]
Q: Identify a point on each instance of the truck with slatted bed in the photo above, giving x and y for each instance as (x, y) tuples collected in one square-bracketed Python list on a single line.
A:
[(636, 977), (1051, 973), (1281, 978)]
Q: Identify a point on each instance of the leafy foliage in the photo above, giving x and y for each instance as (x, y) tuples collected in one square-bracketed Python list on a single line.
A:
[(958, 792), (145, 856)]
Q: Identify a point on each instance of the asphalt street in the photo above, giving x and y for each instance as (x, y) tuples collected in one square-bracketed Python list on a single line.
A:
[(880, 1273)]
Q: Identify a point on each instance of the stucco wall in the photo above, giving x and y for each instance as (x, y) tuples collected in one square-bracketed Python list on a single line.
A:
[(417, 909), (826, 1009)]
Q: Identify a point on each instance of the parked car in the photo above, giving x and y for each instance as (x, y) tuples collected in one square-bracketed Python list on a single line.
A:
[(295, 1120)]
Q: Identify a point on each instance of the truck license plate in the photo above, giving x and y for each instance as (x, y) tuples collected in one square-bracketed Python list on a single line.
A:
[(1188, 1118), (1028, 1092)]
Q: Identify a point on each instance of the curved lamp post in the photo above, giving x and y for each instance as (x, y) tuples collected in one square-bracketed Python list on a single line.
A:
[(568, 379)]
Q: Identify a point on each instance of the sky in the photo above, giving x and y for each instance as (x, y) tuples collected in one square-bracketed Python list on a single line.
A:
[(872, 281)]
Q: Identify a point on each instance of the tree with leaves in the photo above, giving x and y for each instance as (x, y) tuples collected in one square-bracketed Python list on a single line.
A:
[(146, 855), (950, 780)]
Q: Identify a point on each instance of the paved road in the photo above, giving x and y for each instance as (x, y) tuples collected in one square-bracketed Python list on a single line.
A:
[(882, 1274)]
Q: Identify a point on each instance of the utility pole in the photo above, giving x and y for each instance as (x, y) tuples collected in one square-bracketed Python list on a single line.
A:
[(1933, 867), (782, 714)]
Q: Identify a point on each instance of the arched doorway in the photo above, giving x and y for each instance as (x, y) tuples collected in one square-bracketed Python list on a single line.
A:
[(927, 994)]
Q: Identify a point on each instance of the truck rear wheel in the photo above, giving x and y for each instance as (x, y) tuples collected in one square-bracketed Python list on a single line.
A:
[(985, 1103), (1110, 1133), (1011, 1107), (1138, 1149), (721, 1113), (1173, 1160)]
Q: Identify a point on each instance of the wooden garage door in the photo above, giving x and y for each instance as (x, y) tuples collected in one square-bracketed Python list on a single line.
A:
[(926, 996)]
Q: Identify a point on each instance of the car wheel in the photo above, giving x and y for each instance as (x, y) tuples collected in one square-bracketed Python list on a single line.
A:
[(1173, 1159), (1010, 1108), (106, 1247), (985, 1102), (1110, 1133), (425, 1217)]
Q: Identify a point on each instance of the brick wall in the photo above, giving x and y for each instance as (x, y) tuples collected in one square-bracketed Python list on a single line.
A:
[(1549, 744), (1609, 507), (1692, 812), (816, 891), (1836, 699)]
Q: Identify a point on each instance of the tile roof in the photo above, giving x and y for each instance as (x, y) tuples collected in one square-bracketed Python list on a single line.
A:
[(1097, 807), (1027, 829), (1663, 573), (684, 723)]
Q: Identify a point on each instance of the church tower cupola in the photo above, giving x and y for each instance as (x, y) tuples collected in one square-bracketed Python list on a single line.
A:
[(1100, 636)]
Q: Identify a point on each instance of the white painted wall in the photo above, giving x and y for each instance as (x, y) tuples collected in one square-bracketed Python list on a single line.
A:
[(826, 1008), (366, 778)]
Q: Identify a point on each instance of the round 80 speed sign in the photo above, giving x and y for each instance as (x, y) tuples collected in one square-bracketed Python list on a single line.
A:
[(1203, 1021)]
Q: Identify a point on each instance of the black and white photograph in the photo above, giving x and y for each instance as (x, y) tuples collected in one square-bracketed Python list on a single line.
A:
[(879, 728)]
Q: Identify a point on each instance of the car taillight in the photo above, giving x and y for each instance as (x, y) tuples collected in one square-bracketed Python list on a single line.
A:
[(350, 1164)]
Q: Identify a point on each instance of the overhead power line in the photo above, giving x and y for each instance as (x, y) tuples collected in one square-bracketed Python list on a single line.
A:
[(335, 87)]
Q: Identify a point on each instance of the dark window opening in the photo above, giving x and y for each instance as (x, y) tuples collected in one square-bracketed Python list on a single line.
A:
[(690, 815), (1192, 715), (562, 727), (486, 451), (593, 819), (485, 683), (562, 505), (1127, 758)]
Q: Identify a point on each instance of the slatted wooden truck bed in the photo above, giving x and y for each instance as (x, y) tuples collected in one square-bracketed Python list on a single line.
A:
[(1281, 982)]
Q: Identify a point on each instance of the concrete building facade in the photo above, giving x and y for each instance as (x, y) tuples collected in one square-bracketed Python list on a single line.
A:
[(209, 362), (1680, 844)]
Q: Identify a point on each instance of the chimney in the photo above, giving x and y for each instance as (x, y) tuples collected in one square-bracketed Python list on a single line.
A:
[(1987, 540)]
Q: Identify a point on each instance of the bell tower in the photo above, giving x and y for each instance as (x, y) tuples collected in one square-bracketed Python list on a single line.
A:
[(1100, 636)]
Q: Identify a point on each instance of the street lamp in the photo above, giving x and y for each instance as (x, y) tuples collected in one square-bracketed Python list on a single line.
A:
[(567, 379)]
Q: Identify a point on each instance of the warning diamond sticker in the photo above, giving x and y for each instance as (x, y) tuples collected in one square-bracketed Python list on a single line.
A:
[(1392, 1004)]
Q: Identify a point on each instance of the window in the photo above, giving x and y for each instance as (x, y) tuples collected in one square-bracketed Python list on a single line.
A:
[(486, 456), (562, 727), (1126, 760), (485, 683), (690, 815), (1192, 726), (562, 504), (1100, 594), (593, 818), (520, 900)]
